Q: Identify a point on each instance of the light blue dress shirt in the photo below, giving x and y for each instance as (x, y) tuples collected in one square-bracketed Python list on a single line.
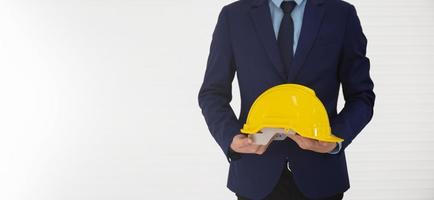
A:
[(297, 18)]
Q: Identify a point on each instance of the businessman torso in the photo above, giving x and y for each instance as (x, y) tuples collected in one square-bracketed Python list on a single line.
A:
[(330, 51)]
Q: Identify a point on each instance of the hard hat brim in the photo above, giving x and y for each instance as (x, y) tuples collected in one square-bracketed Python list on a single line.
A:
[(329, 138), (320, 137)]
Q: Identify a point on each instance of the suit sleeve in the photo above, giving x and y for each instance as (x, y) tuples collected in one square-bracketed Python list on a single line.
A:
[(356, 83), (216, 91)]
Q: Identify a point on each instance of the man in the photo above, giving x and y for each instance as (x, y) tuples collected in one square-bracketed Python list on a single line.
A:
[(315, 43)]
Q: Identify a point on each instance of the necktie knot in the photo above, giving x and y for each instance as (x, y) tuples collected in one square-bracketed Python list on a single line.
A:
[(288, 6)]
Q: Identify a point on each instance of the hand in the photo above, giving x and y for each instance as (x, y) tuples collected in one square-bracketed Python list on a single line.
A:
[(242, 144), (313, 145)]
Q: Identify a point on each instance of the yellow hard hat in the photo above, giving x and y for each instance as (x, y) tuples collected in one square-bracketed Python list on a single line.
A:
[(293, 108)]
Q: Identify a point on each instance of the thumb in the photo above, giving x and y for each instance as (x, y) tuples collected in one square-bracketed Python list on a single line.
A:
[(240, 140)]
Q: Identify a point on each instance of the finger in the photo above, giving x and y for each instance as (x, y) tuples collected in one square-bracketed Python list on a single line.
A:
[(240, 136), (319, 146), (252, 148), (325, 144), (245, 149), (257, 147), (262, 149), (293, 137), (242, 140), (311, 144), (297, 139), (247, 141), (305, 143), (237, 142)]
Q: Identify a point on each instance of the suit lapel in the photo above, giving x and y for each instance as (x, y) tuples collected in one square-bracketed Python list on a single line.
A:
[(260, 14), (312, 19)]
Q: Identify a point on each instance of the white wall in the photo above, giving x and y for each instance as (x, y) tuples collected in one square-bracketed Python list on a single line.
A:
[(98, 101)]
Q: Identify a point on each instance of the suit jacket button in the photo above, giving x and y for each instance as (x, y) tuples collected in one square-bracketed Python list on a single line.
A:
[(287, 166)]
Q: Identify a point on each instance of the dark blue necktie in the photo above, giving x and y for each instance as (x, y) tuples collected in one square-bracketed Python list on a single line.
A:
[(286, 34)]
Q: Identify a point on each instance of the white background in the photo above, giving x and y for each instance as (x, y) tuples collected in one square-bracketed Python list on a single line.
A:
[(98, 100)]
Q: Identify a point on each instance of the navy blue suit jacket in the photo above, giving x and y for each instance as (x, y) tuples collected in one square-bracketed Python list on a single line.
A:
[(331, 52)]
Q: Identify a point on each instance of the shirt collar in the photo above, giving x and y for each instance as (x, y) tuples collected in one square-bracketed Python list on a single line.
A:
[(278, 2)]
